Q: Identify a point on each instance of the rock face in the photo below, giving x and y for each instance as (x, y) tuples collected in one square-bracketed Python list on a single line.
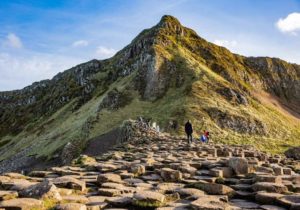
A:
[(115, 100), (38, 95), (163, 172)]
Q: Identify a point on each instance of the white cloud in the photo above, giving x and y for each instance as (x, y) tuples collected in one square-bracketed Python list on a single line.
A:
[(290, 24), (19, 71), (226, 43), (14, 41), (104, 52), (80, 43)]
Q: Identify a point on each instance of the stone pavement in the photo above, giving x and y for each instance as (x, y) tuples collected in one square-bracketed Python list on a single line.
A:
[(160, 173)]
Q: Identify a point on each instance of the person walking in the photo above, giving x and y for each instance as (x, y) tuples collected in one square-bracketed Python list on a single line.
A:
[(189, 131)]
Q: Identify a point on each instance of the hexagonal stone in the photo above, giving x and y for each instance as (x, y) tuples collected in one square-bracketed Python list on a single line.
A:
[(239, 165), (168, 187), (268, 178), (105, 167), (6, 195), (109, 192), (269, 187), (69, 182), (244, 204), (14, 175), (271, 207), (43, 190), (133, 181), (214, 189), (109, 177), (170, 175), (138, 169), (187, 192), (75, 199), (39, 173), (289, 200), (71, 206), (151, 177), (148, 199), (22, 204), (16, 184), (4, 179), (119, 201), (267, 198), (209, 203)]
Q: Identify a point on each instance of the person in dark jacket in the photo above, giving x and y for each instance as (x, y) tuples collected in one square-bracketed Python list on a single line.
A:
[(189, 131)]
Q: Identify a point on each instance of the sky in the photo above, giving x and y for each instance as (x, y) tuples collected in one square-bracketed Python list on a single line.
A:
[(38, 39)]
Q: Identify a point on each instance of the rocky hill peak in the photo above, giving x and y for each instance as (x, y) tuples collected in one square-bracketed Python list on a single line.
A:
[(169, 21), (170, 25)]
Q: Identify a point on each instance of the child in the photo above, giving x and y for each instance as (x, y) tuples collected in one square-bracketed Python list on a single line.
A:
[(207, 136), (203, 138)]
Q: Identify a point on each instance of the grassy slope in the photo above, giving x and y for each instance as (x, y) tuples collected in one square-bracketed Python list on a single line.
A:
[(65, 125), (283, 130)]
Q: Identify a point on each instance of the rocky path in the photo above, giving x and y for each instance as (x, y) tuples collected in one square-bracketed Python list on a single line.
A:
[(160, 173)]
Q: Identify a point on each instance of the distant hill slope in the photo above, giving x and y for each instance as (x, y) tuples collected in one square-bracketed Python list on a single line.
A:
[(169, 74)]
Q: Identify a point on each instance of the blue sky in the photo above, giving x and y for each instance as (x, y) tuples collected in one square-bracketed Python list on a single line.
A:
[(38, 39)]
